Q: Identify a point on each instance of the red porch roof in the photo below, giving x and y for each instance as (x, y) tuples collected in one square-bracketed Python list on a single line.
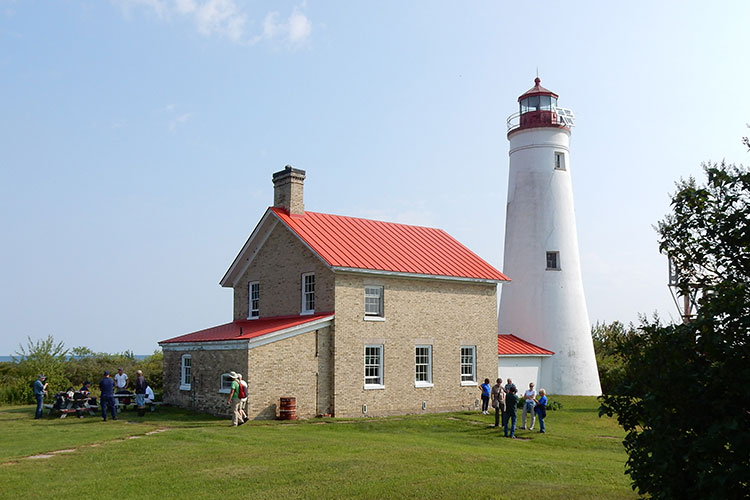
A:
[(352, 243), (246, 329), (511, 345)]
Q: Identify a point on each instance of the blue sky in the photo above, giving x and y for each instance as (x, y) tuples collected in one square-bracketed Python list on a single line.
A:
[(138, 139)]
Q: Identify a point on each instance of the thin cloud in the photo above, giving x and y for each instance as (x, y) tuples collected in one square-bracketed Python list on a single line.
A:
[(179, 120), (227, 19)]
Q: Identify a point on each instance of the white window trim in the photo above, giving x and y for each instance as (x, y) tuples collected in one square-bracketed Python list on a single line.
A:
[(428, 382), (222, 389), (381, 385), (561, 155), (304, 309), (183, 386), (380, 316), (250, 300), (473, 365)]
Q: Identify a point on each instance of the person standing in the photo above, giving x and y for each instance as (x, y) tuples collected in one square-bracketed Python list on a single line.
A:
[(243, 398), (509, 385), (140, 392), (528, 406), (40, 389), (511, 404), (498, 400), (485, 396), (121, 380), (541, 409), (107, 386), (234, 400)]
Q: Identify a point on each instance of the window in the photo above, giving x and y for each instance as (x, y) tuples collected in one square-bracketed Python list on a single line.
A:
[(373, 301), (253, 296), (373, 367), (553, 261), (423, 366), (185, 372), (468, 365), (308, 293), (225, 384), (559, 161)]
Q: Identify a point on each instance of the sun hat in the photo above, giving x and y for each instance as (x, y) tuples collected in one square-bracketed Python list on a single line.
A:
[(232, 375)]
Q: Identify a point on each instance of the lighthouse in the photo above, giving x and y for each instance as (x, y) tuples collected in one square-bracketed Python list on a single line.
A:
[(545, 304)]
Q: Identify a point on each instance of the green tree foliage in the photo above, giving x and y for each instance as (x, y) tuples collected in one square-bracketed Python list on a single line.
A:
[(609, 360), (684, 398)]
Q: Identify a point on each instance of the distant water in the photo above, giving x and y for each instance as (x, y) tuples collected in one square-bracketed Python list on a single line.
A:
[(5, 359)]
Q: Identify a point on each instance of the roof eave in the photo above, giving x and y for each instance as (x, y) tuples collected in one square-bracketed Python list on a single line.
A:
[(400, 274)]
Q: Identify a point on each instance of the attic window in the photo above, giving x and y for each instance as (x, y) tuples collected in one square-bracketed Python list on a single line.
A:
[(253, 291), (373, 302), (308, 293)]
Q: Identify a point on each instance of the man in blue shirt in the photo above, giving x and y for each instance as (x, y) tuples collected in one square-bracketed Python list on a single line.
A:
[(40, 389), (107, 386)]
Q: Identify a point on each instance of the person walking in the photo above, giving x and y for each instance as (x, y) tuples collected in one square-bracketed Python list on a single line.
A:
[(234, 400), (243, 398), (485, 388), (40, 389), (528, 406), (541, 409), (107, 388), (498, 400), (511, 404), (140, 392)]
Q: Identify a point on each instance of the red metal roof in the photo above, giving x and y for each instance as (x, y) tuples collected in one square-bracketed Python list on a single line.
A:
[(349, 242), (510, 344), (537, 90), (246, 329)]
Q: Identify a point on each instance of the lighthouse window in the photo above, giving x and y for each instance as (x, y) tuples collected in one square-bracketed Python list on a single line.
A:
[(553, 261), (545, 103), (559, 161)]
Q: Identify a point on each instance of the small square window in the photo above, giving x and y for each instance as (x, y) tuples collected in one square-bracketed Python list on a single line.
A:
[(225, 384), (374, 301), (559, 161), (553, 261)]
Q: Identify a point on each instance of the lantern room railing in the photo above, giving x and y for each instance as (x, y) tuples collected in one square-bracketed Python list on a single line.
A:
[(560, 117)]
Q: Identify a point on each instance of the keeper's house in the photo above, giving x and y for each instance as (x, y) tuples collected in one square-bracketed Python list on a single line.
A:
[(352, 317)]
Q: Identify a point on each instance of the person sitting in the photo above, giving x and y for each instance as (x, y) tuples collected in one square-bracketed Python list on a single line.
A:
[(150, 397)]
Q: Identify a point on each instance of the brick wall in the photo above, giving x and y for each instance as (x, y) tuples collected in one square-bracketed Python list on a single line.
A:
[(278, 267), (443, 314)]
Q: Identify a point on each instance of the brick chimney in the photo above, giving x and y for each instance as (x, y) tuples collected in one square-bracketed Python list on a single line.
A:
[(287, 190)]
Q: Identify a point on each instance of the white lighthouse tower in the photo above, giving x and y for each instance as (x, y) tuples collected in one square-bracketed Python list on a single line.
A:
[(544, 304)]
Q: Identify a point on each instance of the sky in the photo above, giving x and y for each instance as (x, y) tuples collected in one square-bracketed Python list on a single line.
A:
[(138, 139)]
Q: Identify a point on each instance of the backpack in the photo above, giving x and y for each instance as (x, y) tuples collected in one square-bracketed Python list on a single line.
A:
[(242, 393)]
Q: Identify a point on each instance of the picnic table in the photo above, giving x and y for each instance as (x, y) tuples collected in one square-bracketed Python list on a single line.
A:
[(71, 405), (125, 399)]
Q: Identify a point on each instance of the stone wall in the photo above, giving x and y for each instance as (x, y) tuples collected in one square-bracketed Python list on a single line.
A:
[(278, 267), (207, 368), (444, 314)]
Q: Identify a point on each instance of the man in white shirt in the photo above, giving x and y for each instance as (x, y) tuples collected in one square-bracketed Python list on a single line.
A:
[(121, 381), (528, 406)]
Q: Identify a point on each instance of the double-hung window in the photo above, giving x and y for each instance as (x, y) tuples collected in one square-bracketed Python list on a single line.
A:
[(374, 302), (308, 293), (374, 367), (186, 363), (468, 365), (423, 366), (253, 293)]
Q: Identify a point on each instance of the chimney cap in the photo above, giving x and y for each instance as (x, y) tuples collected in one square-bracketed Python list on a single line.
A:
[(288, 170)]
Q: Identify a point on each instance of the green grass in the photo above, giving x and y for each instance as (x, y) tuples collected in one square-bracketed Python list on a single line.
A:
[(438, 456)]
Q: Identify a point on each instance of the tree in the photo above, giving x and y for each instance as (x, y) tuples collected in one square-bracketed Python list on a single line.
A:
[(42, 356), (609, 360), (684, 400)]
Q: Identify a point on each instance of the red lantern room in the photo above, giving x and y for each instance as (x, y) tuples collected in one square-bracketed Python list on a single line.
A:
[(538, 108)]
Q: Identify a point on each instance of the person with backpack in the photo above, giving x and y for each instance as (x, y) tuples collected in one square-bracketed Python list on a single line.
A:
[(234, 400), (243, 398)]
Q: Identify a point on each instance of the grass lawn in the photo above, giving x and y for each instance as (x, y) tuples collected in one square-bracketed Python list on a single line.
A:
[(436, 456)]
